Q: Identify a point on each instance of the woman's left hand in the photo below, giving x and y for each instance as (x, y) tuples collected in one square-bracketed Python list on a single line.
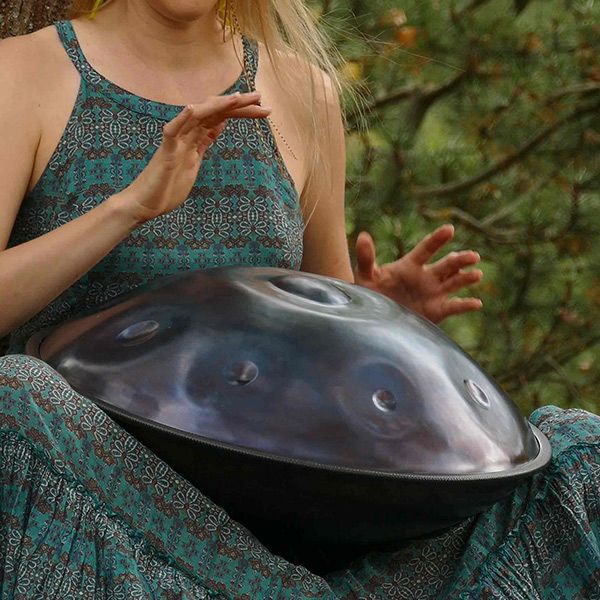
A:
[(424, 288)]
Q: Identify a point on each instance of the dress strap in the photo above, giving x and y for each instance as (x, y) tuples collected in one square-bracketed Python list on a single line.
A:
[(69, 40), (250, 62), (99, 84)]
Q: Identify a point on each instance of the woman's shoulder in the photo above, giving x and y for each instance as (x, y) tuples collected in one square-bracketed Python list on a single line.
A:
[(308, 91), (25, 49), (29, 61), (20, 72), (41, 80), (302, 72)]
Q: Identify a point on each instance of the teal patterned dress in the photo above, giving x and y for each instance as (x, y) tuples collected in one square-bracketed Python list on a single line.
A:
[(87, 512)]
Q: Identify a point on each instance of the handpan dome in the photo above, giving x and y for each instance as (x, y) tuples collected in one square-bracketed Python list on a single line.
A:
[(306, 406)]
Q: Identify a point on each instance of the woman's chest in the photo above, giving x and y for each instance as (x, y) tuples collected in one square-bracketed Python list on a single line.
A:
[(60, 90)]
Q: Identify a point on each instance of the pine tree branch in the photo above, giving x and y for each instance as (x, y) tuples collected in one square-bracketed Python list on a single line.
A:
[(469, 8), (506, 162), (529, 371), (423, 98), (523, 284), (582, 88), (426, 99), (499, 236), (547, 341), (404, 93), (325, 7)]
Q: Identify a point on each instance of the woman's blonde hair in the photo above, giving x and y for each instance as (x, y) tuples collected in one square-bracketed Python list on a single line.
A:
[(287, 28)]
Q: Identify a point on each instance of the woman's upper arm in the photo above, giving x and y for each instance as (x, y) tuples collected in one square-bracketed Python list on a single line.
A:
[(19, 128), (325, 244)]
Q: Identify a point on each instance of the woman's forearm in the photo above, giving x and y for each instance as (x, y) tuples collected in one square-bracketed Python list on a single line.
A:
[(36, 272)]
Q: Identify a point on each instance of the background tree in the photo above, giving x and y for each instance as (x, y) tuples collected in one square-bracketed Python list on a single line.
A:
[(485, 113)]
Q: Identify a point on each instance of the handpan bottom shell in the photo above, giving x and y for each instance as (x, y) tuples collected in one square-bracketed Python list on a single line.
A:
[(310, 409), (320, 516)]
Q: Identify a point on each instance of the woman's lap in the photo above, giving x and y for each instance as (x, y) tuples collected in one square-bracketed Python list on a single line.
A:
[(541, 542), (85, 509), (159, 517)]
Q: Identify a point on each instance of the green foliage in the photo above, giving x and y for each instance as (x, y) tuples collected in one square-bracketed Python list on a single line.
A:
[(485, 113)]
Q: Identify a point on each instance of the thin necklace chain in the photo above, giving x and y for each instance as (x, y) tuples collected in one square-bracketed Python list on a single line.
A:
[(252, 88)]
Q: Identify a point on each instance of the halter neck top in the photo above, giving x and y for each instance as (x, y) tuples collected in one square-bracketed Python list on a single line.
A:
[(242, 210)]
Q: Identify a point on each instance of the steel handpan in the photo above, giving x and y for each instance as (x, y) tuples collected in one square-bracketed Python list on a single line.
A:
[(309, 408)]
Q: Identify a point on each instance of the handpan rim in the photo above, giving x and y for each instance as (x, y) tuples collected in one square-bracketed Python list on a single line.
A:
[(527, 469)]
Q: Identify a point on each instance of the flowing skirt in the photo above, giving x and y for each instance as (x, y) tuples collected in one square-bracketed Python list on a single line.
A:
[(86, 511)]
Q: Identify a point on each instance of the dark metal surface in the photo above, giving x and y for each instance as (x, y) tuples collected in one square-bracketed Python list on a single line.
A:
[(273, 374), (295, 366)]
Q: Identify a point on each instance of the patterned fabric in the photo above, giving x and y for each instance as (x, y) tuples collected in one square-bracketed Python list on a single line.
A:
[(87, 512), (243, 208), (86, 509)]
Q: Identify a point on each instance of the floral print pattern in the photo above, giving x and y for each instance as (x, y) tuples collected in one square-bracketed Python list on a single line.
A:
[(243, 209)]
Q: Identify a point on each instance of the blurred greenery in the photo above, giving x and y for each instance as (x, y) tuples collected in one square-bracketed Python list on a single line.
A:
[(485, 114)]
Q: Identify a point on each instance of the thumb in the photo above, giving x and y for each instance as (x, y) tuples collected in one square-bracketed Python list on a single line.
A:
[(365, 256)]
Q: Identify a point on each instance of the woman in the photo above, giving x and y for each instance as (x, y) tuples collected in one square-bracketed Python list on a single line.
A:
[(136, 164)]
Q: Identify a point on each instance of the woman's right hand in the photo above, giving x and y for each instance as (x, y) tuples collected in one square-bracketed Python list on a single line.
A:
[(168, 178)]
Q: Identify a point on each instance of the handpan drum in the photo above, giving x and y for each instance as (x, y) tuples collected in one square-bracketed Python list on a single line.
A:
[(311, 409)]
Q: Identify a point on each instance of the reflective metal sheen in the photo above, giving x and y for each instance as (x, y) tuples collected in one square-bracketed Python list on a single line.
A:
[(265, 366)]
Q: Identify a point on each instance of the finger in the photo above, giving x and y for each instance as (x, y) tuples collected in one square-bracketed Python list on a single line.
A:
[(461, 279), (172, 128), (209, 134), (215, 132), (365, 256), (217, 106), (251, 112), (199, 118), (192, 114), (209, 138), (190, 124), (457, 306), (430, 244), (454, 262), (202, 130)]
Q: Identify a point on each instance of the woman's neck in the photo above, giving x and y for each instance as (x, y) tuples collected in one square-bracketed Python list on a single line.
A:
[(168, 39)]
